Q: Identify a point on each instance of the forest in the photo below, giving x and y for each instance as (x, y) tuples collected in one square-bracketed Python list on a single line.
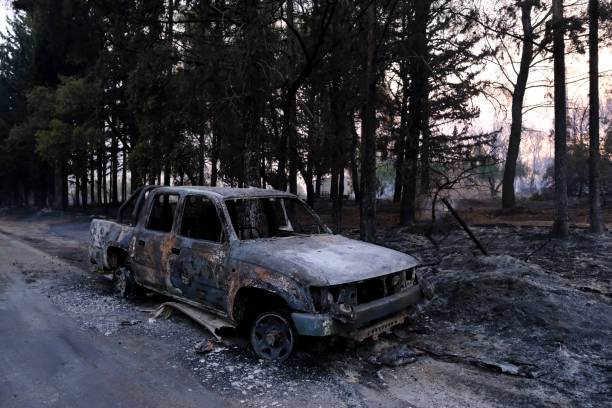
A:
[(99, 97)]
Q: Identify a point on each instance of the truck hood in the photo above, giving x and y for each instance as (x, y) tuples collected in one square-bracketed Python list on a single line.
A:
[(322, 260)]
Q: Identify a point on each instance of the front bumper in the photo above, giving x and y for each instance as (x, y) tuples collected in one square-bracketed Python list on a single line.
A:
[(323, 324)]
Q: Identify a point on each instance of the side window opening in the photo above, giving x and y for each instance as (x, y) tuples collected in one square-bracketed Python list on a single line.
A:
[(162, 213), (255, 218), (200, 220), (252, 218)]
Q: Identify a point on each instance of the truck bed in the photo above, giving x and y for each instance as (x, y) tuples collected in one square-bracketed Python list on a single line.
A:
[(104, 234)]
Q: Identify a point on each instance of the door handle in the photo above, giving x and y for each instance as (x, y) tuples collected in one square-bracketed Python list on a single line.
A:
[(176, 251), (141, 242)]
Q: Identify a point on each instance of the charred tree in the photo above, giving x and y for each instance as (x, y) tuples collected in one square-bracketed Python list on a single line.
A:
[(597, 225), (59, 182), (114, 167), (123, 174), (250, 107), (354, 157), (400, 146), (417, 94), (425, 145), (367, 208), (514, 141), (560, 228)]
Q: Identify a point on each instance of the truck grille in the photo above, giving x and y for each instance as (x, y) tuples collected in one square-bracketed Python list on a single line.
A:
[(361, 292)]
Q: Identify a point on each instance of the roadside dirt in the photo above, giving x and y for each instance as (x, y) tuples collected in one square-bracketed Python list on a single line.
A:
[(485, 212), (545, 322)]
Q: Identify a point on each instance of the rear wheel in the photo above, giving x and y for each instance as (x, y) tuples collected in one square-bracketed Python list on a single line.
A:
[(124, 284), (273, 336)]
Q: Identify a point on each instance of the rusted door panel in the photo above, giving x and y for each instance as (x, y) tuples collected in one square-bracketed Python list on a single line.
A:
[(199, 269), (150, 258)]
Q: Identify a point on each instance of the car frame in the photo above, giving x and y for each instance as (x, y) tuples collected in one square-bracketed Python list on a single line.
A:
[(283, 287)]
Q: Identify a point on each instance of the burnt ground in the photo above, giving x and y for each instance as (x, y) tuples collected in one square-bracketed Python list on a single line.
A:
[(529, 325)]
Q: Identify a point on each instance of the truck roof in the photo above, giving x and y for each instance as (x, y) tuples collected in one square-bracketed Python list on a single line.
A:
[(227, 192)]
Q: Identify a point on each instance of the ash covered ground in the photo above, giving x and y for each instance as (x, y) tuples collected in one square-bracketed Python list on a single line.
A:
[(529, 325)]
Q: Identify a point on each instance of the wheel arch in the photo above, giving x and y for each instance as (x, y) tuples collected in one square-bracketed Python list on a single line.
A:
[(257, 297), (116, 257)]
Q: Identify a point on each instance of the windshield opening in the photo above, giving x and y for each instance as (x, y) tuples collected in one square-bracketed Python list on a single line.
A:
[(270, 217)]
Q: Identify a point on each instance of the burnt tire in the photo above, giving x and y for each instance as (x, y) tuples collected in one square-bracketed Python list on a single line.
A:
[(124, 284), (273, 336)]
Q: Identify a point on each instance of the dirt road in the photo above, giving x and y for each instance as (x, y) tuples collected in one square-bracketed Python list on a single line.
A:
[(50, 360), (69, 342)]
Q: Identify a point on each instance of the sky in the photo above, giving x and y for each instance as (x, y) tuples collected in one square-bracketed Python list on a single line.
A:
[(5, 10)]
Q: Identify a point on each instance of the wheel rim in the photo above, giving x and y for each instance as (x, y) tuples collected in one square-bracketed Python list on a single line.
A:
[(120, 283), (272, 337)]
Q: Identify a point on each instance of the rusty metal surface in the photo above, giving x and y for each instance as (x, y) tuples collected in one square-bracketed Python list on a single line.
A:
[(326, 324), (105, 234), (208, 320), (321, 260), (379, 328), (227, 192)]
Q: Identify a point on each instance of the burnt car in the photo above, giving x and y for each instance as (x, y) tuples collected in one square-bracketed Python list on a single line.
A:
[(258, 258)]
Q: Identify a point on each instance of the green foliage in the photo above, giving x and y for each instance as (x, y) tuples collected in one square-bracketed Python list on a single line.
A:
[(64, 119)]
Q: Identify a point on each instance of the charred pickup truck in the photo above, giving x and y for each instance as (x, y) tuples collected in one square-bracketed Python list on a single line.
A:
[(257, 258)]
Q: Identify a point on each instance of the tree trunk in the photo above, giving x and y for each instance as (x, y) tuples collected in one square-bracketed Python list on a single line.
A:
[(64, 183), (367, 221), (124, 175), (418, 84), (597, 225), (561, 224), (425, 145), (84, 183), (288, 127), (104, 189), (202, 161), (339, 200), (262, 168), (77, 192), (293, 153), (92, 185), (251, 143), (400, 147), (508, 195), (354, 157), (167, 173), (99, 164), (213, 170), (288, 146), (310, 193), (50, 186), (214, 156), (251, 101), (113, 169), (281, 174), (58, 202), (338, 135), (333, 189)]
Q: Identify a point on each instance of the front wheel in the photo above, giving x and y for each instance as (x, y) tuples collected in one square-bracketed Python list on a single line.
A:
[(273, 336)]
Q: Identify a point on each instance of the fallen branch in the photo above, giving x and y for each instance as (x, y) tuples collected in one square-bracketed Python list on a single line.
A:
[(515, 369), (465, 226), (537, 249)]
